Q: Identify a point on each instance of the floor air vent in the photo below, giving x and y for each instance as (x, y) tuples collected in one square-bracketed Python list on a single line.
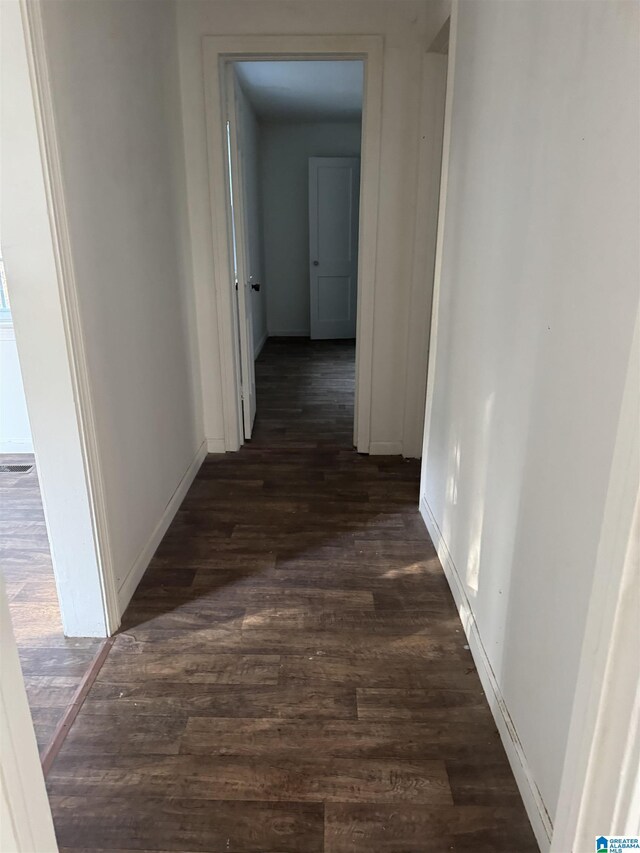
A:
[(15, 469)]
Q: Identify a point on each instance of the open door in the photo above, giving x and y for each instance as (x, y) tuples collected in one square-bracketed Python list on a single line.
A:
[(242, 254), (334, 194)]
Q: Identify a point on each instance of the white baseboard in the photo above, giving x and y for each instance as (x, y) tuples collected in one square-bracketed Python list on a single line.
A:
[(385, 448), (258, 349), (216, 445), (289, 333), (533, 802), (16, 447), (133, 578)]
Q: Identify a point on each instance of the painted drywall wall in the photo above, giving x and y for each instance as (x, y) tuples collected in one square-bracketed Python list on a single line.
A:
[(114, 76), (285, 150), (432, 103), (15, 432), (250, 142), (407, 28), (534, 318)]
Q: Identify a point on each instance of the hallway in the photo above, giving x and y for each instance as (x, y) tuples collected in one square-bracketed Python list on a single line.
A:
[(291, 674)]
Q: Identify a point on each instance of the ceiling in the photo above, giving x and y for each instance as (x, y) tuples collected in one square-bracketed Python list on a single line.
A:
[(304, 90)]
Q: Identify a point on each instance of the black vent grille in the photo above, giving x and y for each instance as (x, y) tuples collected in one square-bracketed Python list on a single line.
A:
[(15, 469)]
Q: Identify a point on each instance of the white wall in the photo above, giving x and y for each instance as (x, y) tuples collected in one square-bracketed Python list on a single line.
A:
[(15, 432), (114, 77), (285, 151), (537, 301), (250, 142), (407, 28)]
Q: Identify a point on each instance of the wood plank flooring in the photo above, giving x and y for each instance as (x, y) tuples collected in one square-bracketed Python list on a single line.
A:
[(306, 393), (291, 675), (52, 665)]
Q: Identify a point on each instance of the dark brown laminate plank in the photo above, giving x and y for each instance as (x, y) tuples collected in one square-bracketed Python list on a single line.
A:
[(158, 698), (238, 778), (491, 784), (192, 668), (377, 703), (115, 734), (271, 738), (421, 647), (201, 826), (377, 673), (406, 828)]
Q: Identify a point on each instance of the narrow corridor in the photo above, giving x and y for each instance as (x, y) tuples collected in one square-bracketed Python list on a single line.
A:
[(291, 674)]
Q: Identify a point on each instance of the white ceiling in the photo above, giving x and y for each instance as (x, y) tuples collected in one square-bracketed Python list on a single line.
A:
[(304, 90)]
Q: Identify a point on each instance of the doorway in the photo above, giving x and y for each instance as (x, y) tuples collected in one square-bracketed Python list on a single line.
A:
[(294, 134), (238, 310), (52, 664)]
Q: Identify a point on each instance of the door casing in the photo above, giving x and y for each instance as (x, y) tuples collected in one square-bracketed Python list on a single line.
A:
[(236, 186), (219, 54), (66, 447)]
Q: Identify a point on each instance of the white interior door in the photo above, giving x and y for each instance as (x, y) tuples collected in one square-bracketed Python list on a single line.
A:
[(334, 192), (242, 254)]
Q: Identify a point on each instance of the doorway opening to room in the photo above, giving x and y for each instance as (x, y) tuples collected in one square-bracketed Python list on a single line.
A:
[(294, 133), (294, 136), (53, 665)]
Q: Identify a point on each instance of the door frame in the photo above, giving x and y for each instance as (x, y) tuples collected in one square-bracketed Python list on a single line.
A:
[(70, 473), (219, 53), (238, 227)]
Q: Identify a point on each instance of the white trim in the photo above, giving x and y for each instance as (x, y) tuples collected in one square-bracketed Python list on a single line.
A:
[(215, 445), (26, 825), (533, 803), (133, 578), (219, 51), (244, 310), (52, 173), (442, 209), (223, 274), (258, 349), (385, 448)]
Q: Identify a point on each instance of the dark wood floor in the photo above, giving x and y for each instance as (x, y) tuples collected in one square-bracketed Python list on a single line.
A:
[(291, 674), (306, 392), (52, 665)]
